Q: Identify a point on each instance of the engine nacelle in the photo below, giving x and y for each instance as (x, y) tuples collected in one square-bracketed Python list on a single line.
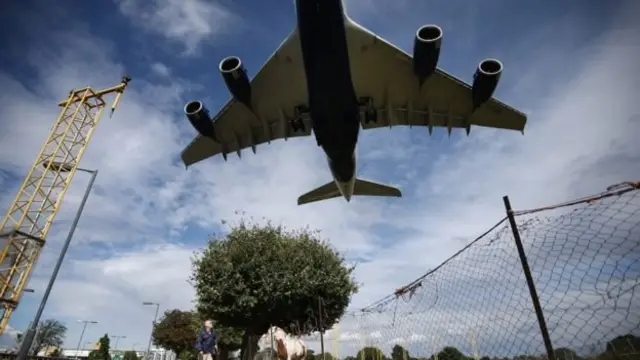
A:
[(426, 51), (199, 118), (485, 81), (235, 76)]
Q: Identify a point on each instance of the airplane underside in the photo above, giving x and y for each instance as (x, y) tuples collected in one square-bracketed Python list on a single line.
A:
[(335, 77)]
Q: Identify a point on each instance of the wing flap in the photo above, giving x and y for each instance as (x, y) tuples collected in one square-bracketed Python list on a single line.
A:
[(203, 147), (278, 88), (383, 76)]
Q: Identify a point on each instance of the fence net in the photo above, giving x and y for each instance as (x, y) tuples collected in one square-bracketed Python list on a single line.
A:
[(585, 261)]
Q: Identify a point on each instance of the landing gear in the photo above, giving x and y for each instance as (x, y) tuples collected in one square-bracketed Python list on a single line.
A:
[(367, 109), (301, 113)]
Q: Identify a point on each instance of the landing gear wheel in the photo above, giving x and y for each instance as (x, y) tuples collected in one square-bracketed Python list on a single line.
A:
[(370, 116), (297, 125)]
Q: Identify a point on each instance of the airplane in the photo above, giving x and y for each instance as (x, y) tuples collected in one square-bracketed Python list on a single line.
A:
[(333, 76)]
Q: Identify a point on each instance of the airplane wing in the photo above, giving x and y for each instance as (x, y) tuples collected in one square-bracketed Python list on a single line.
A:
[(277, 90), (384, 74)]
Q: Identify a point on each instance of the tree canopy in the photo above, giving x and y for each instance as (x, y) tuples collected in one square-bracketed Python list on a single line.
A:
[(130, 355), (370, 353), (102, 353), (177, 331), (262, 275), (400, 353), (50, 334)]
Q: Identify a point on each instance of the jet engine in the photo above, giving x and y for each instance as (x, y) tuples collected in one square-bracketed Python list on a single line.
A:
[(426, 51), (235, 76), (199, 118), (485, 81)]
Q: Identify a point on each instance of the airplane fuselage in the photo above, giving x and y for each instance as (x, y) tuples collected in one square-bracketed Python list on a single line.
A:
[(333, 104)]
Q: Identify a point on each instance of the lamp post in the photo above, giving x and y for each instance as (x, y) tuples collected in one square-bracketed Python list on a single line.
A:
[(85, 322), (31, 332), (117, 337), (155, 318)]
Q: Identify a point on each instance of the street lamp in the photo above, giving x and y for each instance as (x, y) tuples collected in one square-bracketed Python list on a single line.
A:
[(155, 318), (117, 337), (31, 332), (85, 322)]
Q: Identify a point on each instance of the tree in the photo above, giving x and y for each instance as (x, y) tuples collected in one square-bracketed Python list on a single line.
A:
[(177, 331), (327, 356), (623, 345), (451, 353), (399, 353), (311, 355), (104, 345), (566, 354), (370, 353), (130, 355), (262, 275), (50, 333), (56, 353)]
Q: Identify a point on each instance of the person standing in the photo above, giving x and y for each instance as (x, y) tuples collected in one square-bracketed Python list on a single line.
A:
[(206, 342)]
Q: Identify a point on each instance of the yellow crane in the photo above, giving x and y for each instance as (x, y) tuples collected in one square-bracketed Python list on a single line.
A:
[(24, 229)]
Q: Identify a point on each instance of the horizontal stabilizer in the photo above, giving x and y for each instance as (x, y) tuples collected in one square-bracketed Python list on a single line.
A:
[(361, 188), (324, 192), (368, 188)]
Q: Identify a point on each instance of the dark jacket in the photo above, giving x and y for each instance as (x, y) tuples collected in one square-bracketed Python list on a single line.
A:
[(206, 342)]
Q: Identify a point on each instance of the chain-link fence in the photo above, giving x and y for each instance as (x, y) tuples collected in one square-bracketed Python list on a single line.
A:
[(557, 282)]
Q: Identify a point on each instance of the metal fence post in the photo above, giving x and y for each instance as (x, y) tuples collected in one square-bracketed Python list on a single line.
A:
[(527, 274)]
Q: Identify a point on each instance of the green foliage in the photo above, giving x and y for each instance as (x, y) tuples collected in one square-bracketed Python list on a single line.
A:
[(370, 353), (311, 355), (50, 333), (451, 353), (130, 355), (177, 331), (624, 345), (56, 353), (400, 353), (327, 356), (103, 351), (228, 339), (258, 276), (620, 348)]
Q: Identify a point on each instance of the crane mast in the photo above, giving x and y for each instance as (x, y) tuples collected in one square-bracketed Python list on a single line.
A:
[(24, 229)]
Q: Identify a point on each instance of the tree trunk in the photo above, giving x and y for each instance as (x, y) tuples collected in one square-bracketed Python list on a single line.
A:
[(223, 352), (249, 346)]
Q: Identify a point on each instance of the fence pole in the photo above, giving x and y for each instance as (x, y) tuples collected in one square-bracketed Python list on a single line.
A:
[(527, 274)]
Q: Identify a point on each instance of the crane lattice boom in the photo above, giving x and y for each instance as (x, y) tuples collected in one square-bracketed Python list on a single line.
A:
[(24, 229)]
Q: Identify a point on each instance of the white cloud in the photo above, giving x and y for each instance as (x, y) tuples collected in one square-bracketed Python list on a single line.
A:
[(189, 23), (137, 233), (160, 69)]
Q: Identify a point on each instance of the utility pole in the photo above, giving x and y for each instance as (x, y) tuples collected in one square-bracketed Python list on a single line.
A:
[(155, 318), (86, 322), (321, 328)]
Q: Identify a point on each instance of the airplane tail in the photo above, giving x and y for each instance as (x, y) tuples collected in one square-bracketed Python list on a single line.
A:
[(361, 188)]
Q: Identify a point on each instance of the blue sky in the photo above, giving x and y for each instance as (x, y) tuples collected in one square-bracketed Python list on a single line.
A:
[(568, 65)]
